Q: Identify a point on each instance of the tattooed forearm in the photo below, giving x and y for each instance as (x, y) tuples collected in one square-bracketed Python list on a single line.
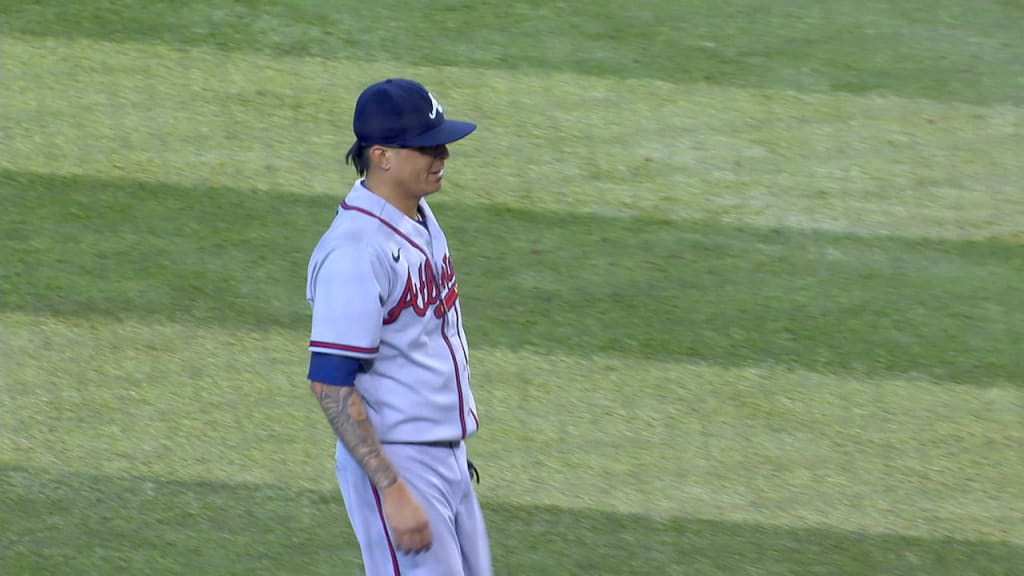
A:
[(346, 413)]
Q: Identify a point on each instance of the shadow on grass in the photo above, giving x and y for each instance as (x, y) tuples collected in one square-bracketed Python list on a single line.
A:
[(564, 283), (73, 523)]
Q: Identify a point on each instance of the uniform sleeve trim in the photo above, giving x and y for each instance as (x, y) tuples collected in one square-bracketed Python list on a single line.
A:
[(343, 347)]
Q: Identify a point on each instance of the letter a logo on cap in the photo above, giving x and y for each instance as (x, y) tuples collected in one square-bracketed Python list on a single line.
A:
[(436, 107)]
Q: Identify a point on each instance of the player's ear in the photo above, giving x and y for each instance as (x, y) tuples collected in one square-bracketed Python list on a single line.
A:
[(381, 157)]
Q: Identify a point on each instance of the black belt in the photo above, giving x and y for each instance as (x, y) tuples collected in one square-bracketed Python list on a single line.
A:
[(441, 443), (474, 474), (437, 444)]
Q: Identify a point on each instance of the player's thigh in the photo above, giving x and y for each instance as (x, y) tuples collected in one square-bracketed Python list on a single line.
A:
[(430, 473), (365, 513), (432, 476), (471, 531)]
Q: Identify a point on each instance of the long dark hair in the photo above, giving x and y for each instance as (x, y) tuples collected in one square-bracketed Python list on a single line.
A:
[(359, 156)]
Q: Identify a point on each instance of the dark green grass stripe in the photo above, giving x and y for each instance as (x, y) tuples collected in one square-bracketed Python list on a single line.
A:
[(942, 50), (77, 523), (561, 283)]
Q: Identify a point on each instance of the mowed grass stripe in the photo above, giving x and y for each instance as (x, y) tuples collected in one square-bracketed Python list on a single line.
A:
[(145, 525), (664, 439), (934, 49), (581, 284), (734, 234), (769, 158)]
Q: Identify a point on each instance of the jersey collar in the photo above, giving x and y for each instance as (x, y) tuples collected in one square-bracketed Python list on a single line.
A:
[(363, 197)]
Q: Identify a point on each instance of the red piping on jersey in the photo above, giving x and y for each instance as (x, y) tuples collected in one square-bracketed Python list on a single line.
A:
[(347, 206), (444, 319), (465, 354), (343, 347), (458, 379), (458, 322), (384, 526)]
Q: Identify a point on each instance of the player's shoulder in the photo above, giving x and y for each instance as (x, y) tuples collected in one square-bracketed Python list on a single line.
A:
[(347, 234)]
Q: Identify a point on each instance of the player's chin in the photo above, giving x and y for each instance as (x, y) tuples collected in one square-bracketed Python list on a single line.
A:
[(433, 181)]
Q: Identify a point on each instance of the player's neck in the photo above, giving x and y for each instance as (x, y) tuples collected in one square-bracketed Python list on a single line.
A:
[(405, 203)]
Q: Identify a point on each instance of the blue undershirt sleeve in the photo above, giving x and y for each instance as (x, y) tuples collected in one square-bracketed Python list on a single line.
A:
[(333, 369)]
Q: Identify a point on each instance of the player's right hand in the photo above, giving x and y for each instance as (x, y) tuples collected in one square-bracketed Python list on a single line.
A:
[(406, 519)]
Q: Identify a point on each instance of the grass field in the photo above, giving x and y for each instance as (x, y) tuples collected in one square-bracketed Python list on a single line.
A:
[(742, 280)]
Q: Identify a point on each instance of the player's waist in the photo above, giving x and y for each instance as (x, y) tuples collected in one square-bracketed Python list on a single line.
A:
[(433, 444)]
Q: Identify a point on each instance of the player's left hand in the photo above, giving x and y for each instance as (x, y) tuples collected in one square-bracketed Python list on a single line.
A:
[(406, 519)]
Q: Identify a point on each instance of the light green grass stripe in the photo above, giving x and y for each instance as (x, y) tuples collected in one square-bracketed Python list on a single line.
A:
[(756, 445), (664, 439), (553, 141)]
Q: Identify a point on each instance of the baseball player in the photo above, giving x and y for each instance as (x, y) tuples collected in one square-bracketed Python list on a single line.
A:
[(389, 360)]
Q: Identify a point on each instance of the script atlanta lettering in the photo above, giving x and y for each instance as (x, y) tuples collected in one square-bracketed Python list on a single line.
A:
[(424, 292)]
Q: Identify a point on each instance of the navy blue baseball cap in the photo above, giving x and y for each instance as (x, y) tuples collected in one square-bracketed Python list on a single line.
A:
[(403, 114)]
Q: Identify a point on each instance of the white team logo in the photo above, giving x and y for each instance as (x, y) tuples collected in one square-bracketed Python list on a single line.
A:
[(436, 107)]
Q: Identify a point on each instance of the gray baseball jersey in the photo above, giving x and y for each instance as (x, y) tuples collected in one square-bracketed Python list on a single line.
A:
[(382, 289)]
